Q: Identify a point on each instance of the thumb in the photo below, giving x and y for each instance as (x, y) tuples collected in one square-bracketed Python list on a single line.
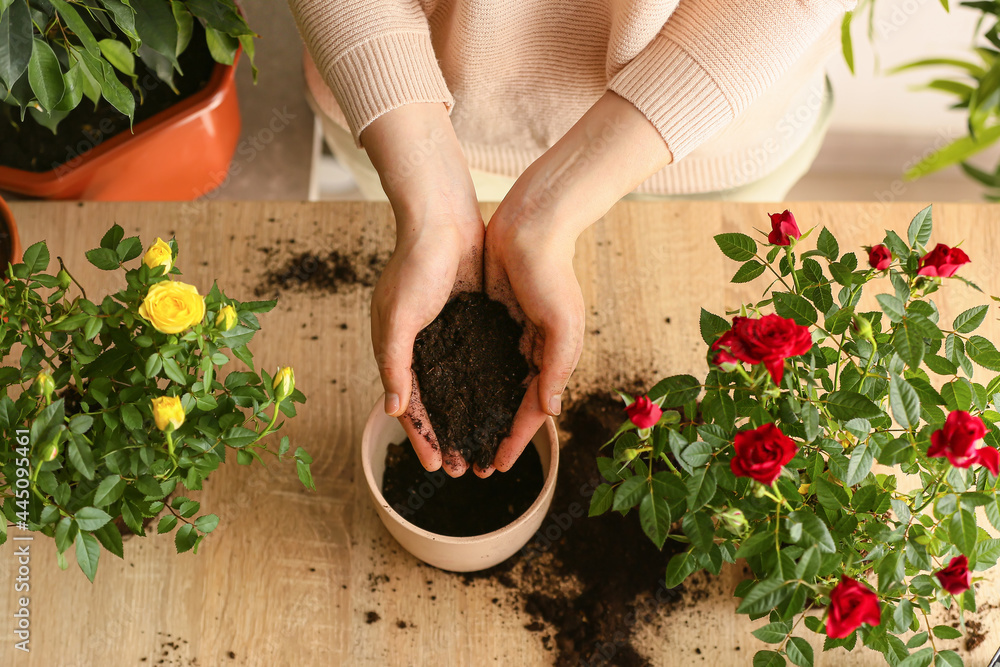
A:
[(562, 345), (394, 358)]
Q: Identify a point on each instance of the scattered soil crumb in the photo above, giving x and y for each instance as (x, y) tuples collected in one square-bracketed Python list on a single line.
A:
[(332, 272), (372, 617)]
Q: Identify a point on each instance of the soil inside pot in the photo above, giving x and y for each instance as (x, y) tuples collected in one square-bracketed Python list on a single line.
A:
[(30, 147), (471, 375), (462, 506), (6, 247)]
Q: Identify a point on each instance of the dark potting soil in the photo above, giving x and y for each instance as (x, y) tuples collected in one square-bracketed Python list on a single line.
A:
[(6, 247), (309, 271), (462, 506), (471, 375), (30, 147), (617, 573)]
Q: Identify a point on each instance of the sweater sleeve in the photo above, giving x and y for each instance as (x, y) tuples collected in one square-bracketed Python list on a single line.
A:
[(714, 57), (375, 55)]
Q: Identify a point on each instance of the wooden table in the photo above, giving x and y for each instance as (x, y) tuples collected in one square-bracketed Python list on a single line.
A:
[(288, 576)]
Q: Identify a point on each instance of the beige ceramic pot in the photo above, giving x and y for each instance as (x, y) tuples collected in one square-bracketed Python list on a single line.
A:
[(457, 554)]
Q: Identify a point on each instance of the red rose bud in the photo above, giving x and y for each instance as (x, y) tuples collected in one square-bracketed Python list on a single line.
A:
[(879, 257), (851, 604), (955, 577), (643, 412), (725, 361), (957, 439), (783, 228), (768, 340), (762, 453), (942, 262)]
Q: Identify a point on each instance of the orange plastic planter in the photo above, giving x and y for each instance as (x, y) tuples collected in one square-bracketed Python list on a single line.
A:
[(179, 154), (9, 228)]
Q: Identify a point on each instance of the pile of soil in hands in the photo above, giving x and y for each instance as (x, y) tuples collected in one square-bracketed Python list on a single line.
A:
[(589, 581), (30, 147), (332, 272), (462, 506), (471, 374)]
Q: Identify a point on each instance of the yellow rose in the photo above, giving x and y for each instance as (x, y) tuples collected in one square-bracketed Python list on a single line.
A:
[(283, 383), (226, 319), (168, 412), (172, 307), (159, 254)]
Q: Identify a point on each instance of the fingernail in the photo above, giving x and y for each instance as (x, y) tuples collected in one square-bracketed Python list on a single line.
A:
[(555, 405), (391, 404)]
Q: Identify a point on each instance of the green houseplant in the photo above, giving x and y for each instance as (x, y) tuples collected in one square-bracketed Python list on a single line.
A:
[(86, 69), (115, 406), (820, 449)]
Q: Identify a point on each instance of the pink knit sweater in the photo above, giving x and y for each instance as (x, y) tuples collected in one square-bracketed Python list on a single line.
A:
[(517, 74)]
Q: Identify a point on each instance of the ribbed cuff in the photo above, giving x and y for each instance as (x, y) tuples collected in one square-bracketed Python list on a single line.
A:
[(675, 93), (383, 74)]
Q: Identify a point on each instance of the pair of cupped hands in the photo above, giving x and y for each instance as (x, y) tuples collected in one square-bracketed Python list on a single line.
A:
[(529, 272), (522, 258)]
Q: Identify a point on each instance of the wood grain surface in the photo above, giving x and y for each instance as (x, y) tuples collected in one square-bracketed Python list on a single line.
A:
[(288, 576)]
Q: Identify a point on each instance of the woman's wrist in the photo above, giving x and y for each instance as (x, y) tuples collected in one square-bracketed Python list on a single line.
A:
[(422, 167)]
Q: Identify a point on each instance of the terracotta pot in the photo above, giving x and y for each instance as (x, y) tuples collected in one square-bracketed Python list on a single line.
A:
[(8, 234), (457, 554), (179, 154)]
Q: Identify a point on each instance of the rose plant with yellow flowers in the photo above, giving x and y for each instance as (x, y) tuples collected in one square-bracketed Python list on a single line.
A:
[(114, 407)]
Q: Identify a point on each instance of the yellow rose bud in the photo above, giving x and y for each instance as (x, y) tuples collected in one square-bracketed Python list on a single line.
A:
[(283, 384), (168, 412), (172, 307), (159, 254), (804, 489), (45, 385), (226, 319)]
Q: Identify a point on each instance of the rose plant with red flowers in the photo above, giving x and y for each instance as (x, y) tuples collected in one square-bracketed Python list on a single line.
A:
[(814, 410)]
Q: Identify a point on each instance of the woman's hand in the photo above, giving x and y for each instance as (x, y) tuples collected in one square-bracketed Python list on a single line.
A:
[(531, 238), (439, 252)]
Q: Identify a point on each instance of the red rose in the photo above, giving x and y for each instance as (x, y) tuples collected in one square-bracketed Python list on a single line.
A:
[(643, 412), (879, 257), (782, 227), (955, 577), (762, 453), (725, 361), (769, 341), (851, 604), (942, 261), (957, 439)]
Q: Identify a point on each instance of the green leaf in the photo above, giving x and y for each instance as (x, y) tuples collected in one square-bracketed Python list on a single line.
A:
[(681, 565), (676, 390), (81, 457), (111, 539), (221, 46), (36, 257), (993, 511), (186, 536), (701, 486), (88, 552), (827, 244), (763, 597), (955, 152), (969, 320), (983, 352), (859, 465), (77, 25), (108, 491), (768, 659), (946, 632), (948, 658), (123, 17), (166, 524), (114, 92), (735, 246), (837, 323), (922, 658), (156, 25), (712, 326), (809, 563), (909, 344), (173, 371), (814, 531), (131, 417), (891, 570), (905, 402), (772, 633), (845, 405), (103, 258), (601, 501), (221, 15), (15, 42), (91, 518), (846, 43), (206, 523), (748, 272), (654, 516), (45, 75), (795, 307), (957, 394), (919, 231), (892, 306), (963, 532), (629, 493), (700, 530), (118, 55), (800, 652)]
